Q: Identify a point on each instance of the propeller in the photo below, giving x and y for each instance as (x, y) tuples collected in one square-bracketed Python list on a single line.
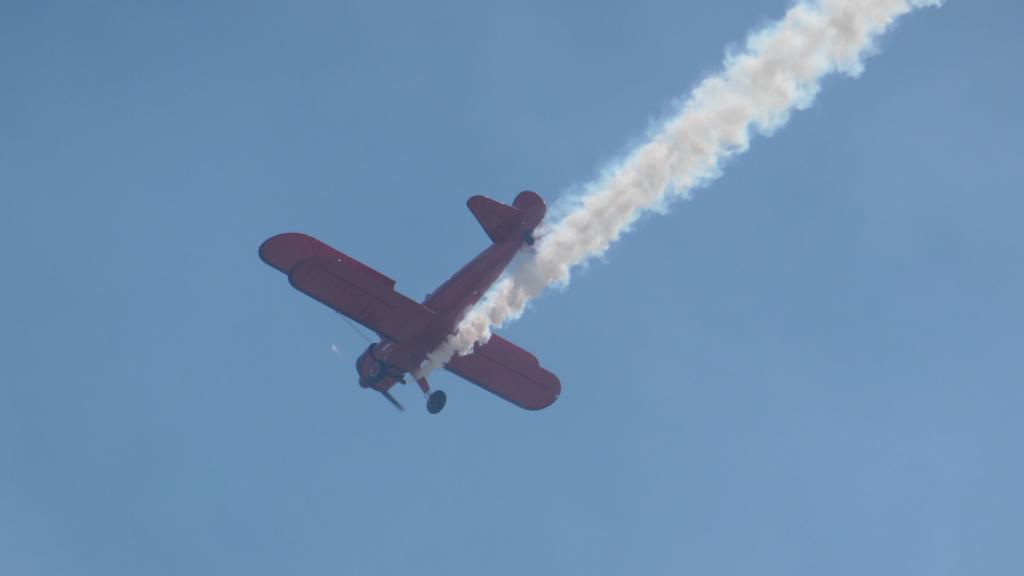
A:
[(384, 393), (391, 399)]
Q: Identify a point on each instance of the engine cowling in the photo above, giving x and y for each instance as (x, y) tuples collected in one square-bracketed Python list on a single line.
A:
[(370, 369)]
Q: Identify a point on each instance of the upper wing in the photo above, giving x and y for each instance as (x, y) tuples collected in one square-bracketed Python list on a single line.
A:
[(286, 250), (504, 369), (346, 285)]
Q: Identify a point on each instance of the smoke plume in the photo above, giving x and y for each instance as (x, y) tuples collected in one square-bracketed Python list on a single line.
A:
[(778, 71)]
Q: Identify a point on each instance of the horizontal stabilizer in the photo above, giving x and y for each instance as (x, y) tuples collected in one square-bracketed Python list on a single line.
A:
[(532, 206), (501, 221)]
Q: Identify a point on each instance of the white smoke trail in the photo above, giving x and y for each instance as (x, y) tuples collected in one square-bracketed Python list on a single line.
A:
[(778, 72)]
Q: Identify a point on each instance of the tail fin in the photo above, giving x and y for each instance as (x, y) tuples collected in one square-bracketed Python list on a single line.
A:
[(503, 222), (500, 221)]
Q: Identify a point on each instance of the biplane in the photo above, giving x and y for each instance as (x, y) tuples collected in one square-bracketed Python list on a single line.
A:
[(409, 330)]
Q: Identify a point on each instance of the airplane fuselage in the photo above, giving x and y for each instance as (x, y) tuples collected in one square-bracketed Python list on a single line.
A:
[(448, 302)]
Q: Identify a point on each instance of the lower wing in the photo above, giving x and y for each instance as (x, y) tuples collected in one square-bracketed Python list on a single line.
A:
[(508, 371)]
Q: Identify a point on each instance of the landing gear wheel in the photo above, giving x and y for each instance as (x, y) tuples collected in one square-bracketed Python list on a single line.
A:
[(436, 401)]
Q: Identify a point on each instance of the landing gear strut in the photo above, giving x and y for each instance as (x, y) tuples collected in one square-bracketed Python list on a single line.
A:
[(435, 400)]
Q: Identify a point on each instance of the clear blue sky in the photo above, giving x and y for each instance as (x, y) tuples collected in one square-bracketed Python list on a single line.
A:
[(814, 367)]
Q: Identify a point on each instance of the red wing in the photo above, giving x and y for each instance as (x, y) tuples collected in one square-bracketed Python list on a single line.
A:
[(357, 291), (504, 369), (286, 250), (344, 284)]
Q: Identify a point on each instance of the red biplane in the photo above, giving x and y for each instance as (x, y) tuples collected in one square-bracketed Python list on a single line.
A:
[(409, 330)]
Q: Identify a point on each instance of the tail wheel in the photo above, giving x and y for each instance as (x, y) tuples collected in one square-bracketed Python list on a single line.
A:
[(436, 401)]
